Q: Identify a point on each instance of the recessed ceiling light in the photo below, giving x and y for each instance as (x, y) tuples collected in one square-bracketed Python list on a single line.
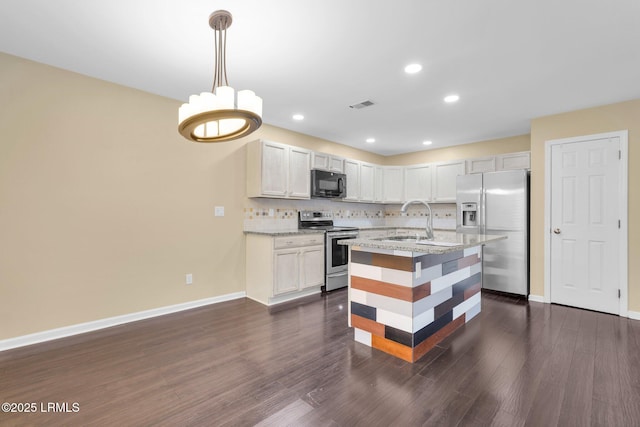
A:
[(427, 142), (298, 117), (451, 98), (412, 68), (370, 140)]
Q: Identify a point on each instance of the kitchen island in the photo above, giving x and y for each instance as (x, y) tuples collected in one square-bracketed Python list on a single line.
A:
[(406, 294)]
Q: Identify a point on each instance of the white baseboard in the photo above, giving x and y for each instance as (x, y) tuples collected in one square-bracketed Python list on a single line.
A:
[(635, 315), (536, 298), (81, 328)]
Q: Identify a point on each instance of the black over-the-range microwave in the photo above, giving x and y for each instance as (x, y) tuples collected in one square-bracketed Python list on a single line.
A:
[(328, 184)]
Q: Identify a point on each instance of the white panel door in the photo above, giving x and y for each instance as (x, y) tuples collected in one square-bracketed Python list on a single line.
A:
[(312, 267), (286, 271), (299, 173), (585, 182), (274, 169), (352, 170), (417, 182), (367, 182)]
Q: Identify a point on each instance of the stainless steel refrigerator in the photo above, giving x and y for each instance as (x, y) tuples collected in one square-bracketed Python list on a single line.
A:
[(498, 203)]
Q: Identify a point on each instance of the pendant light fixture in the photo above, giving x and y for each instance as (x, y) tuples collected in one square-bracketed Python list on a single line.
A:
[(220, 115)]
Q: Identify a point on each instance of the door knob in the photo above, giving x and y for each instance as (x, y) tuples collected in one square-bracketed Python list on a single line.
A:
[(556, 230)]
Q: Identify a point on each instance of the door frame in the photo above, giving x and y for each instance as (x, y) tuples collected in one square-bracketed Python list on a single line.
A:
[(623, 197)]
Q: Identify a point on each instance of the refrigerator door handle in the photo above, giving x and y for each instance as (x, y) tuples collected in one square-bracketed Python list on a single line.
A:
[(483, 211)]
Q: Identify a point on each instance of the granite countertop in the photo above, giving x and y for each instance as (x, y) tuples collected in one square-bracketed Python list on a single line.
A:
[(276, 233), (396, 227), (462, 241)]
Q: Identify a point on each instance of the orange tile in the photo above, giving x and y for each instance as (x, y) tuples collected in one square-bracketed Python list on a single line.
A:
[(403, 293), (393, 348), (367, 325)]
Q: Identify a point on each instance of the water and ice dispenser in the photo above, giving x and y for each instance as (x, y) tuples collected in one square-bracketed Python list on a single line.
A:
[(469, 214)]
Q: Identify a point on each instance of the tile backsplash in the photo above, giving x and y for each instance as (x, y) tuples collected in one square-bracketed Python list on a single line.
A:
[(275, 214)]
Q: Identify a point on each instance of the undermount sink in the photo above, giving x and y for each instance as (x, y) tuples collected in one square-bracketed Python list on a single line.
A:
[(421, 240)]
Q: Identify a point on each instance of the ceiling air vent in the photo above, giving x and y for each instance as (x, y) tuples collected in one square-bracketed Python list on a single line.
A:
[(362, 104)]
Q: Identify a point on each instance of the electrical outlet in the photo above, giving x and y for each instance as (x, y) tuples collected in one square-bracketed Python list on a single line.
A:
[(219, 211), (189, 278), (271, 212)]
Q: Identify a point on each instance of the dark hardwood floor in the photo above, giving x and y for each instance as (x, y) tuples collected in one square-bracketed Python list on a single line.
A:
[(239, 364)]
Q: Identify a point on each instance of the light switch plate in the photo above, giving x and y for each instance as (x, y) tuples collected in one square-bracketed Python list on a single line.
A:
[(219, 211)]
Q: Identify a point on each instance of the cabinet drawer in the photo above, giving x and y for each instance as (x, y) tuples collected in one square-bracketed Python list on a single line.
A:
[(299, 240)]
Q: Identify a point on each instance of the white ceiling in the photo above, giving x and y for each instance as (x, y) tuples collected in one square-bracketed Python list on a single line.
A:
[(510, 61)]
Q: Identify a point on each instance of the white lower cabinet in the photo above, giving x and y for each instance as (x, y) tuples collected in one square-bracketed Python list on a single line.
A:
[(282, 268)]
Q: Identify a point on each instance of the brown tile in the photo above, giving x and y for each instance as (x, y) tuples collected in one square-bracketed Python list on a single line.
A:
[(393, 262), (471, 291), (403, 293), (421, 291), (426, 345), (367, 325), (468, 261), (393, 348)]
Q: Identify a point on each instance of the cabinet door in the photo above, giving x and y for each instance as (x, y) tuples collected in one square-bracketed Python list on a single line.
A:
[(336, 164), (286, 271), (514, 161), (445, 180), (377, 183), (311, 267), (320, 161), (299, 173), (274, 169), (352, 170), (392, 184), (367, 182), (417, 182), (484, 164)]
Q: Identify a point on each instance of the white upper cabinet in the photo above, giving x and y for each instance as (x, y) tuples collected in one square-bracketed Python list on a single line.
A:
[(377, 183), (392, 184), (367, 182), (417, 182), (299, 173), (513, 161), (327, 162), (360, 181), (278, 170), (482, 164), (352, 170), (444, 180)]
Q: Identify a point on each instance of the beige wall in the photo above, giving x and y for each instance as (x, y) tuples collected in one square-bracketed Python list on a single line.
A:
[(467, 151), (104, 207), (608, 118)]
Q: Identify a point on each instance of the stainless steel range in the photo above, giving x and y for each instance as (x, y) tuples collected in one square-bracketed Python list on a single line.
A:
[(336, 256)]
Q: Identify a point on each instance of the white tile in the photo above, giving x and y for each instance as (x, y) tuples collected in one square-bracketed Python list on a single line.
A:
[(422, 320), (431, 301), (450, 279), (397, 277), (476, 268), (361, 336), (390, 304), (471, 251), (472, 312), (403, 253), (366, 271), (428, 274), (394, 320), (358, 296), (464, 306)]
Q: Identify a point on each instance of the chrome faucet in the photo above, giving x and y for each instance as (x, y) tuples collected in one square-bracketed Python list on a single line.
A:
[(429, 228)]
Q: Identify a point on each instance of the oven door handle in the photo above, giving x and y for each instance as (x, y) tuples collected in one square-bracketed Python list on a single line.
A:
[(338, 274), (348, 235)]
